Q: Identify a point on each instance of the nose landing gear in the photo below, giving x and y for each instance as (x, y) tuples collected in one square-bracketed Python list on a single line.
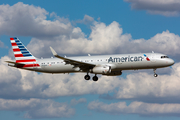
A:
[(155, 75)]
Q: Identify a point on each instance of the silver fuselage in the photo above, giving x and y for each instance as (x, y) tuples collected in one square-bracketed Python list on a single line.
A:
[(117, 62)]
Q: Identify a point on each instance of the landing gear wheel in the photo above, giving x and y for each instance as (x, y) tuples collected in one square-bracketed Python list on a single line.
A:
[(95, 78), (86, 77), (155, 75)]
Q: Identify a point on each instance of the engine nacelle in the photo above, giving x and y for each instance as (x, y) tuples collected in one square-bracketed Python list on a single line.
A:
[(115, 73), (101, 70)]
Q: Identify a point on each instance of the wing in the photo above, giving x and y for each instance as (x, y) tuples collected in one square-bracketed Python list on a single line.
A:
[(82, 65)]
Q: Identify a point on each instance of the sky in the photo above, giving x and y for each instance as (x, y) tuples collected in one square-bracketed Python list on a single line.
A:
[(90, 27)]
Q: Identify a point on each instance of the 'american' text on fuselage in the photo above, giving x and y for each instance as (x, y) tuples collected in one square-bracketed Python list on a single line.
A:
[(125, 59)]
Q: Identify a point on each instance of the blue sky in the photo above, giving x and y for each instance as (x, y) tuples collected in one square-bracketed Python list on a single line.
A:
[(96, 27)]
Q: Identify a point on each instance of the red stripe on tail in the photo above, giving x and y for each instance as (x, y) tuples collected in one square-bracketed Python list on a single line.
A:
[(18, 55), (16, 49), (29, 60), (13, 44), (11, 38)]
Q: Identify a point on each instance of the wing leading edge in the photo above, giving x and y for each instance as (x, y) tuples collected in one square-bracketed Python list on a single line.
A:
[(82, 65)]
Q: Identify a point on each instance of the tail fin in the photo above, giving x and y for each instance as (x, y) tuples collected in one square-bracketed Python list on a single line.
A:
[(21, 53)]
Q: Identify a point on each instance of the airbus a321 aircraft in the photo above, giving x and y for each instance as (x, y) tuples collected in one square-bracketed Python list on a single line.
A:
[(110, 65)]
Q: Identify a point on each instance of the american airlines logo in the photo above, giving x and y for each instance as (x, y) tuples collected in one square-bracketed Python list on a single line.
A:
[(146, 57), (125, 59)]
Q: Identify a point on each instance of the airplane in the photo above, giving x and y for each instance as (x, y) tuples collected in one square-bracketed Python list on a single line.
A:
[(109, 65)]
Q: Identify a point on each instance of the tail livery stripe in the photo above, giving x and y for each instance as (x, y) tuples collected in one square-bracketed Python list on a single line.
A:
[(13, 44), (25, 52), (28, 66), (12, 38), (16, 49), (17, 52), (29, 60), (24, 58), (18, 55), (21, 46), (27, 55), (31, 65), (23, 49), (19, 49), (18, 43), (22, 55)]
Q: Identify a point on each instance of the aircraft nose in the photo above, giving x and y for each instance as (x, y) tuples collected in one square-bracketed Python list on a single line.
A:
[(170, 61)]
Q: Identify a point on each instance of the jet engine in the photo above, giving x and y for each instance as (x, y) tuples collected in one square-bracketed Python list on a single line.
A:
[(115, 73), (101, 70)]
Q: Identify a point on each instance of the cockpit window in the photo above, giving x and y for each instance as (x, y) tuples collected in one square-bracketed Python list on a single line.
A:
[(164, 57)]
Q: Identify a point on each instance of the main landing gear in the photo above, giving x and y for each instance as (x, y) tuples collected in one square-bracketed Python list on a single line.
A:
[(95, 78), (87, 77), (155, 75)]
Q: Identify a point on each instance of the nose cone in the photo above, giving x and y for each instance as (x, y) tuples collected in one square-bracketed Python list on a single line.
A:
[(170, 62)]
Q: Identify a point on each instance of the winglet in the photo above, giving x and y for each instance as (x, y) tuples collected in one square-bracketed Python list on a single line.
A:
[(53, 51)]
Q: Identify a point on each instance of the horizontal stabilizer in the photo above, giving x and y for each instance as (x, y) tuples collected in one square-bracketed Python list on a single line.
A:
[(14, 63)]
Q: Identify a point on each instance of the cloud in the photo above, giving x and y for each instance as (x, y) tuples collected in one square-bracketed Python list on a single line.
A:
[(37, 108), (144, 87), (145, 109), (66, 39), (30, 84), (106, 39), (18, 84), (162, 7), (103, 39), (75, 102), (86, 20), (136, 86), (29, 20)]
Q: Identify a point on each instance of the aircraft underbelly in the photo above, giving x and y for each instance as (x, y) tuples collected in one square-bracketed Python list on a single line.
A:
[(58, 68)]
